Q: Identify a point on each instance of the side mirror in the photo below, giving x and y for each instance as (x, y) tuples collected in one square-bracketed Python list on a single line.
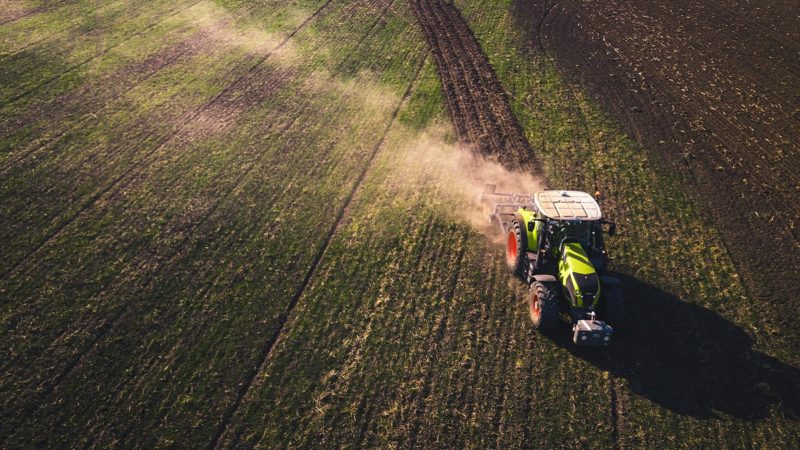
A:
[(531, 224), (612, 229)]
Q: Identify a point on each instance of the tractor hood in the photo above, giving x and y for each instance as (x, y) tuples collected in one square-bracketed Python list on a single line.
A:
[(577, 276)]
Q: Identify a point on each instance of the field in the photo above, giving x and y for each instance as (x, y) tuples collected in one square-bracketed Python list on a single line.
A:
[(718, 101), (233, 223)]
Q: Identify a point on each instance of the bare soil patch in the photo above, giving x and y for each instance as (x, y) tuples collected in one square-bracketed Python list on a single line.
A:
[(710, 87), (474, 97)]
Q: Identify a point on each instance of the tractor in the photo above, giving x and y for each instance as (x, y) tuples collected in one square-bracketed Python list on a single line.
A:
[(554, 241)]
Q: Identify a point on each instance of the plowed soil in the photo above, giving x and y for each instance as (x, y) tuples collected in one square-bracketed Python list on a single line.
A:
[(712, 88), (708, 376), (474, 97), (223, 225)]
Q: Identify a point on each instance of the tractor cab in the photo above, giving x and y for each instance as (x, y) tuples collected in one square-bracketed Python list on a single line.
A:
[(568, 217), (579, 231)]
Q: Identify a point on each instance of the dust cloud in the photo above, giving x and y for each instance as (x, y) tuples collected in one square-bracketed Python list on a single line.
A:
[(456, 172), (363, 92), (237, 31)]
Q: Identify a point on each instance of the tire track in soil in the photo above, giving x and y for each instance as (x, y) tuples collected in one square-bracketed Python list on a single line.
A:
[(284, 317), (116, 151), (374, 28), (69, 69), (478, 106), (292, 120), (152, 276), (378, 23), (474, 97), (188, 118), (613, 414), (117, 316), (435, 16), (90, 99), (150, 279)]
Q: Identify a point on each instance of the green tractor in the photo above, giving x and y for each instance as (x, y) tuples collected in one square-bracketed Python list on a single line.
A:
[(554, 242)]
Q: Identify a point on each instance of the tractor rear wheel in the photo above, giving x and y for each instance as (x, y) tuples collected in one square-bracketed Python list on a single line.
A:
[(612, 305), (543, 306), (515, 250)]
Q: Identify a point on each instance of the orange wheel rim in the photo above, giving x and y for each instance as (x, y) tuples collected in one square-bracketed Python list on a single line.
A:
[(511, 250), (535, 309)]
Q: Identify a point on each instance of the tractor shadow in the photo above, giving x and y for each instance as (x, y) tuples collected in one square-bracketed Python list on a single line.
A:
[(691, 360)]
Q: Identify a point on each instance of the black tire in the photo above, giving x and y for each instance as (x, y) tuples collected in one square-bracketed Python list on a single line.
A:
[(612, 305), (516, 260), (543, 306)]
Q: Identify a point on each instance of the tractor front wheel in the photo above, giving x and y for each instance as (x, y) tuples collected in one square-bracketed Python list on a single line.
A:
[(543, 305), (515, 251)]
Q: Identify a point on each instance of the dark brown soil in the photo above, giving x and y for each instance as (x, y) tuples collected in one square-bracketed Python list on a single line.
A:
[(711, 87), (695, 368), (474, 96)]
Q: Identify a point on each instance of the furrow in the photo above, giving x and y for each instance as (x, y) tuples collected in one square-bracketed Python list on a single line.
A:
[(474, 96)]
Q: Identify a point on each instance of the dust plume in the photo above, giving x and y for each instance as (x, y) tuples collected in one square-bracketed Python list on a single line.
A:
[(363, 91), (237, 30), (458, 174)]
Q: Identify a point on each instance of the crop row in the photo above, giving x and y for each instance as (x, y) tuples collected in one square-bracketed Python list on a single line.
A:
[(676, 267), (152, 305)]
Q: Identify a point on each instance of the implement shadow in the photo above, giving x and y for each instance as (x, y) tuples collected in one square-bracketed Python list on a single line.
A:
[(691, 360)]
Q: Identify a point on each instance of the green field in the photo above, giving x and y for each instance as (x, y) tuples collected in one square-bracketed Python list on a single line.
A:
[(236, 223)]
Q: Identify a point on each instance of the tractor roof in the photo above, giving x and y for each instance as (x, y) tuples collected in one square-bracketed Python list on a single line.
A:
[(568, 205)]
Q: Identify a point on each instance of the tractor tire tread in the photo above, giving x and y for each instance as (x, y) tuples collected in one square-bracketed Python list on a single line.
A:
[(550, 316), (520, 265)]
